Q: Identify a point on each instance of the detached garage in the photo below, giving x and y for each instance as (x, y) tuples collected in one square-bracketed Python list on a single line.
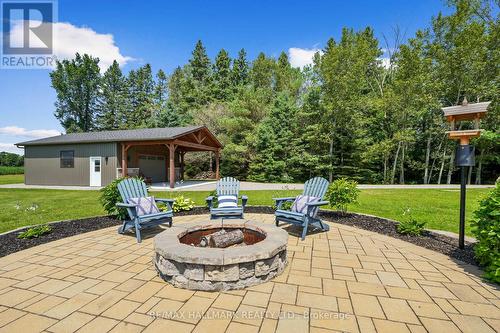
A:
[(97, 158)]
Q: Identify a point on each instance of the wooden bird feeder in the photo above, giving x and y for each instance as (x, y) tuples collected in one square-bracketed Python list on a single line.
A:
[(465, 152), (465, 112)]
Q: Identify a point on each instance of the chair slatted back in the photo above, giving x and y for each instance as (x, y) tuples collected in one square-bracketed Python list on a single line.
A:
[(316, 187), (132, 188), (228, 186)]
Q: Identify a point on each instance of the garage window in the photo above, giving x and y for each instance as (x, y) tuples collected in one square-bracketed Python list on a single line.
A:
[(67, 159)]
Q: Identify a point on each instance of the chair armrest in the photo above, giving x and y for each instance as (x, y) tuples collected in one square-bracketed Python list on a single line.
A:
[(244, 200), (209, 201), (280, 201), (125, 205), (319, 203), (169, 202), (284, 199)]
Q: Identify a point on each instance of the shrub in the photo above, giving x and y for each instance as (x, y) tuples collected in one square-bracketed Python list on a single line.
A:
[(35, 232), (110, 196), (410, 226), (182, 204), (215, 201), (486, 228), (341, 193)]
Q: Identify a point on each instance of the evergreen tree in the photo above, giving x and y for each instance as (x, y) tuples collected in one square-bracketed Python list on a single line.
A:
[(222, 76), (283, 73), (240, 69), (76, 83), (278, 152), (262, 72), (141, 91), (200, 64), (113, 101)]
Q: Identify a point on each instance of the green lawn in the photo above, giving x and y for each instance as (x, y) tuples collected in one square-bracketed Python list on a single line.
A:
[(438, 207), (11, 179)]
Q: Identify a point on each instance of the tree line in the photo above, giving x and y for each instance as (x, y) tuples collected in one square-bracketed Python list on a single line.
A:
[(11, 159), (366, 109)]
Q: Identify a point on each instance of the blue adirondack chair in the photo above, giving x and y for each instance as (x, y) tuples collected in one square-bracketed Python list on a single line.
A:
[(315, 187), (227, 186), (135, 188)]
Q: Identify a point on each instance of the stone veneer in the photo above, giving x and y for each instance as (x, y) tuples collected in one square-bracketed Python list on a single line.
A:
[(199, 268)]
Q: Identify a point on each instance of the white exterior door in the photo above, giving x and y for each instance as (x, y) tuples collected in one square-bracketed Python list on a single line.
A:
[(95, 171)]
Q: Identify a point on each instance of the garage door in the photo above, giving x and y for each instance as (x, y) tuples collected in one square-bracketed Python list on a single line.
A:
[(153, 167)]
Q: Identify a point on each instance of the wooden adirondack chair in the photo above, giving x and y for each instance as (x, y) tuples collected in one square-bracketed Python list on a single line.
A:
[(135, 188), (227, 186), (315, 187)]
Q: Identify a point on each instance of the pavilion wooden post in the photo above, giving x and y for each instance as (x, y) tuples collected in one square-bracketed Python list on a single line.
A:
[(124, 159), (182, 153), (171, 156), (217, 164)]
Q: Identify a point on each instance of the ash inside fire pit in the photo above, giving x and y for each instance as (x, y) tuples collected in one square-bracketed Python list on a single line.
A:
[(222, 238)]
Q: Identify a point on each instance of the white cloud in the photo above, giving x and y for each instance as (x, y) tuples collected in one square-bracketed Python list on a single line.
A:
[(34, 134), (70, 39), (302, 57), (9, 147)]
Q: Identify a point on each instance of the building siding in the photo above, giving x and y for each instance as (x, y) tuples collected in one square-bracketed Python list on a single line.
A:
[(42, 164)]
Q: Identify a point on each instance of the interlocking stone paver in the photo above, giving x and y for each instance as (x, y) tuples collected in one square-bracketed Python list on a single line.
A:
[(256, 298), (10, 315), (398, 310), (121, 309), (71, 323), (99, 324), (471, 324), (228, 302), (366, 288), (366, 305), (28, 323), (317, 301), (346, 280), (386, 326), (102, 303), (439, 326)]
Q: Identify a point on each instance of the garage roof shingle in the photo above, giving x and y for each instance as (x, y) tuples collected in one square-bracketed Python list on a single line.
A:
[(142, 134)]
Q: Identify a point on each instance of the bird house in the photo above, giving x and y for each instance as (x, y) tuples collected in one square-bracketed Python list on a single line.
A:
[(465, 112)]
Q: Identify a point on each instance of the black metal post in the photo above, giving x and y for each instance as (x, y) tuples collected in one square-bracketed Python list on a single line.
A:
[(463, 182)]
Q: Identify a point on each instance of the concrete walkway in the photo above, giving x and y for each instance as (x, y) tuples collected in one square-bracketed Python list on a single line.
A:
[(201, 185), (345, 280)]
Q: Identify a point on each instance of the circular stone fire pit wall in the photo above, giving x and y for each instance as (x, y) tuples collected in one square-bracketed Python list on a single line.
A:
[(202, 268)]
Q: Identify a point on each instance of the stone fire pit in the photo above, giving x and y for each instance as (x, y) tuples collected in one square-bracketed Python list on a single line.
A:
[(181, 262)]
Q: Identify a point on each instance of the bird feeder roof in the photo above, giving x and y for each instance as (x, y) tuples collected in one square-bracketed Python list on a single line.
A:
[(471, 109)]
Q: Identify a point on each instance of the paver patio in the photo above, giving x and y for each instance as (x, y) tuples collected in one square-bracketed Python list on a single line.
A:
[(344, 280)]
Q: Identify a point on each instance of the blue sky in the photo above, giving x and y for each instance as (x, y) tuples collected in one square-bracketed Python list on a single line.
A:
[(163, 33)]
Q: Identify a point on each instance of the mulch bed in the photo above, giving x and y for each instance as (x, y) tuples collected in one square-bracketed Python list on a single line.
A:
[(9, 243)]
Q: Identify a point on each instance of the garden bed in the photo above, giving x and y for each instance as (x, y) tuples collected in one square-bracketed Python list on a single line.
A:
[(9, 243)]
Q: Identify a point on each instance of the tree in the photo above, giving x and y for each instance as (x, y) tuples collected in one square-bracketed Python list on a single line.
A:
[(113, 101), (262, 72), (142, 94), (222, 76), (76, 83), (200, 64), (240, 69), (278, 151), (11, 159)]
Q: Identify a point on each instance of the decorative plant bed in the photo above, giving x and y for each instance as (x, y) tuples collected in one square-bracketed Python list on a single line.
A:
[(182, 260)]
